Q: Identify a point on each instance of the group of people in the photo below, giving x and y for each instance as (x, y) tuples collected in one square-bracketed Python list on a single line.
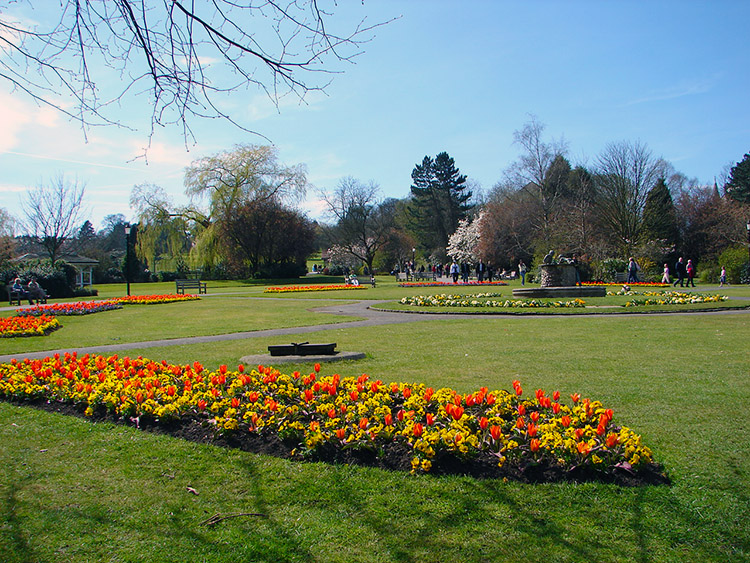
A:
[(31, 291), (685, 273)]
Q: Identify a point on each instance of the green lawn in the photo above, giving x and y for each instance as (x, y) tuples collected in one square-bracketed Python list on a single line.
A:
[(71, 490)]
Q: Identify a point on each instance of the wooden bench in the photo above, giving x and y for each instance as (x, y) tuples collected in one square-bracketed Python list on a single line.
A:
[(423, 276), (360, 281), (13, 295), (182, 285), (621, 277), (401, 277)]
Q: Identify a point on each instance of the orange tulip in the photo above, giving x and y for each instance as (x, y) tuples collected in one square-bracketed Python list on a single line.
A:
[(496, 432), (534, 445), (534, 416), (235, 402), (388, 419), (531, 430), (556, 396), (457, 413), (430, 419), (316, 367), (576, 397), (483, 422), (612, 440), (418, 429), (341, 433), (363, 422), (583, 448)]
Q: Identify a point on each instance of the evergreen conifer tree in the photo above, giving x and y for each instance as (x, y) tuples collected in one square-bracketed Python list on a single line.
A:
[(738, 186), (659, 215), (440, 199)]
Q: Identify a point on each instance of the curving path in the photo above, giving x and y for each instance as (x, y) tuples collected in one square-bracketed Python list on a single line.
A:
[(371, 317)]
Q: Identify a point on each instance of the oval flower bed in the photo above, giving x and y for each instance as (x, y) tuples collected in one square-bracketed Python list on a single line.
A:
[(473, 300), (639, 284), (353, 420), (154, 299), (27, 326), (68, 309), (448, 283), (676, 298), (299, 288)]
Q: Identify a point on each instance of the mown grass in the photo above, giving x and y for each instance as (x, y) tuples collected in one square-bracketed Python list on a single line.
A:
[(72, 490)]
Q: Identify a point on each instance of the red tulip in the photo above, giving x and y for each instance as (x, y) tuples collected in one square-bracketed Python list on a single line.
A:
[(519, 391), (201, 404), (583, 448), (534, 416), (354, 395), (612, 440), (534, 445), (252, 396), (556, 408), (332, 413), (521, 409), (430, 419), (556, 396), (483, 422), (400, 415), (363, 422), (531, 430), (520, 423), (418, 429), (222, 369), (341, 433), (457, 413), (235, 402), (495, 432), (576, 397), (388, 419), (407, 392)]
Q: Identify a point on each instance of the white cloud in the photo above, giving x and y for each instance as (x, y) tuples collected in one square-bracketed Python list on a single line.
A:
[(14, 116)]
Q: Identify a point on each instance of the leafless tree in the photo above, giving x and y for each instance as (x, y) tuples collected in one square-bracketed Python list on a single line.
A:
[(7, 232), (182, 54), (535, 172), (626, 172), (53, 214), (363, 223)]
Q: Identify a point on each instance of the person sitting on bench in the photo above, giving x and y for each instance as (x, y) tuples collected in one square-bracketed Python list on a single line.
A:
[(36, 292)]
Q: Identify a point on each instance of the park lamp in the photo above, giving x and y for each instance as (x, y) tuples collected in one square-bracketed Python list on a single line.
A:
[(127, 257)]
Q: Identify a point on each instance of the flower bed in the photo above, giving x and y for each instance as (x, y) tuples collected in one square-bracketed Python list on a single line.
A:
[(300, 288), (448, 283), (676, 298), (27, 326), (68, 309), (154, 299), (638, 284), (473, 300), (398, 425)]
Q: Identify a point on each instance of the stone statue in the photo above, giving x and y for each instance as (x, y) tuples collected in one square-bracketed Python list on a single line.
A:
[(549, 259)]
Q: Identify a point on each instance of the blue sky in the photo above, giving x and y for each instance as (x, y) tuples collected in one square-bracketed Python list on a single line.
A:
[(445, 76)]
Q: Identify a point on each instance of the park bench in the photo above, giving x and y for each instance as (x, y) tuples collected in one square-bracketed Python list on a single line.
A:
[(401, 277), (416, 276), (360, 281), (621, 277), (15, 296), (182, 285)]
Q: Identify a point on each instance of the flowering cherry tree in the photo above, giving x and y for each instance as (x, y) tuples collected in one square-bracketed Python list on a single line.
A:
[(463, 245)]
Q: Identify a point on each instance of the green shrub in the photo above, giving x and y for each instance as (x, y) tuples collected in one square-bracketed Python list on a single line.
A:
[(734, 259)]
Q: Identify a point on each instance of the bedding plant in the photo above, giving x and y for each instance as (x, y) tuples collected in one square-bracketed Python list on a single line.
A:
[(406, 426)]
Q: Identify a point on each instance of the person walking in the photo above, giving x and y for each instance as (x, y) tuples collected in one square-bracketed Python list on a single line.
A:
[(665, 276), (723, 277), (522, 271), (690, 270), (632, 271), (679, 270), (454, 271)]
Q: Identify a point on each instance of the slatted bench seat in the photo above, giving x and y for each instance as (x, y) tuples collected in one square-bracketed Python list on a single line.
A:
[(192, 285)]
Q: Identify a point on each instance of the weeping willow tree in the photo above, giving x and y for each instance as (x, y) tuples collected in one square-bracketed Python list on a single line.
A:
[(217, 186)]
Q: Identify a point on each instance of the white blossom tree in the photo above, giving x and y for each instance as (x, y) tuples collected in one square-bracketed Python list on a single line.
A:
[(463, 245)]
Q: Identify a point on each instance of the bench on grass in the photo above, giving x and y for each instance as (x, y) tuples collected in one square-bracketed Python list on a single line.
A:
[(15, 296), (182, 285)]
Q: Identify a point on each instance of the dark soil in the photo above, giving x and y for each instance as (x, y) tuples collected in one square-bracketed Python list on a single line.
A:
[(394, 456)]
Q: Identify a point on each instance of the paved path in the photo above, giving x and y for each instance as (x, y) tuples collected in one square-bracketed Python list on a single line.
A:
[(371, 317)]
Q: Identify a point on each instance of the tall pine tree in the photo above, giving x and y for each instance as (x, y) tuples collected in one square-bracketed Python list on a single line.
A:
[(440, 199), (738, 186), (659, 215)]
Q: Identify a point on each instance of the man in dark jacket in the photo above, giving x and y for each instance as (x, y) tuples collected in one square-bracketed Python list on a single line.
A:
[(679, 270)]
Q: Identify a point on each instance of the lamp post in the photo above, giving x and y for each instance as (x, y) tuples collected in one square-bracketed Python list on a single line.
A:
[(127, 257)]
